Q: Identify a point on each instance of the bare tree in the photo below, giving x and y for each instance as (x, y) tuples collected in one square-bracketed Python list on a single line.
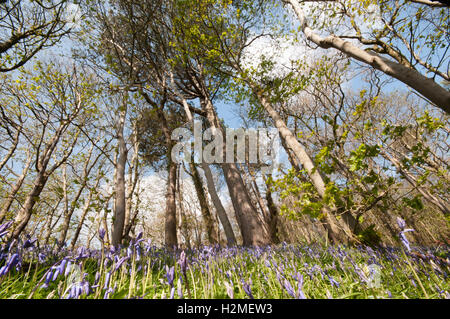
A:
[(400, 69), (26, 27)]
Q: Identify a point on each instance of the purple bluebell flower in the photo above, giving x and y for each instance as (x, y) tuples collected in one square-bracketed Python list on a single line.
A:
[(85, 285), (148, 246), (97, 277), (138, 252), (300, 294), (3, 228), (361, 274), (404, 240), (401, 223), (138, 240), (48, 278), (62, 266), (170, 273), (107, 278), (113, 250), (333, 281), (29, 243), (55, 274), (107, 293), (129, 251), (248, 288), (75, 291), (287, 285), (82, 253), (101, 234), (13, 261), (183, 262), (106, 262), (59, 269), (42, 257), (3, 271), (120, 262)]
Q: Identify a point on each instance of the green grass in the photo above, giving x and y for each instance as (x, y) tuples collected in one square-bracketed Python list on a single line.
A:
[(270, 271)]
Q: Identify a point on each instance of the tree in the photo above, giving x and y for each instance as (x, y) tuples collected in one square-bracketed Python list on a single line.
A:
[(206, 213), (220, 210), (28, 27), (394, 28), (153, 60), (52, 104), (167, 122), (119, 177), (228, 33)]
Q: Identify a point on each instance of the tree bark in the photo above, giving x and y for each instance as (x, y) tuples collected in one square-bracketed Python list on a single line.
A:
[(273, 215), (171, 211), (120, 187), (183, 218), (220, 210), (25, 213), (132, 182), (15, 189), (206, 213), (11, 150), (66, 212)]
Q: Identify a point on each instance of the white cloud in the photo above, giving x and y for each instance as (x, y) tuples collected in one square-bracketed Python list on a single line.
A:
[(330, 14), (282, 52), (73, 15)]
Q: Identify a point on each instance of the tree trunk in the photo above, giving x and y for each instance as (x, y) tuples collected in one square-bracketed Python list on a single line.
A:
[(120, 188), (84, 213), (182, 214), (66, 212), (220, 210), (333, 226), (206, 213), (104, 221), (25, 213), (253, 186), (43, 173), (15, 189), (171, 211), (81, 222), (273, 215), (170, 227), (132, 182), (50, 226), (252, 230)]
